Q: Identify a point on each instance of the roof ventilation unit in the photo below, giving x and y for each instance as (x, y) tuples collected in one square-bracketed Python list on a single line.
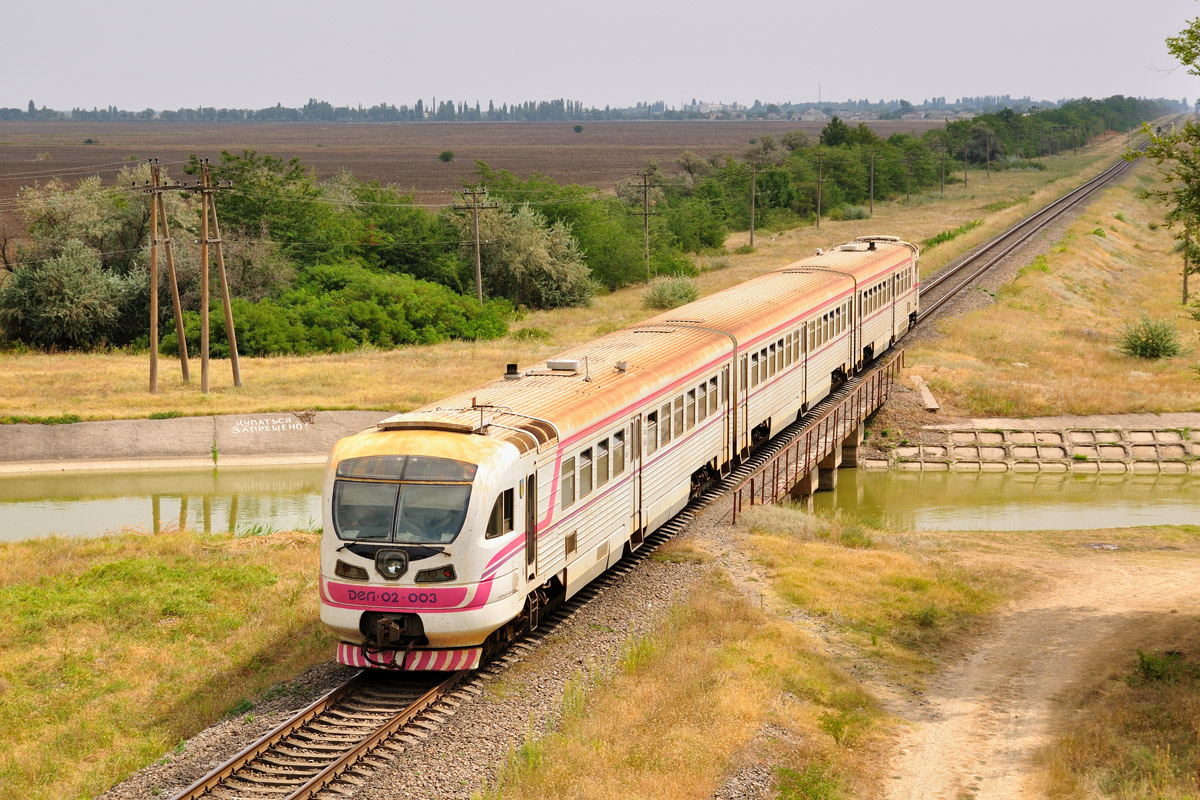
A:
[(511, 373), (563, 364)]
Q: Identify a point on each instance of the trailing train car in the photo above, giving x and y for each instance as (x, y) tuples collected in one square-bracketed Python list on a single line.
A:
[(451, 528)]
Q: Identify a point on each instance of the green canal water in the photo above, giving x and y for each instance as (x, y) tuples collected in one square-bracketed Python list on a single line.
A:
[(241, 499), (230, 499), (955, 501)]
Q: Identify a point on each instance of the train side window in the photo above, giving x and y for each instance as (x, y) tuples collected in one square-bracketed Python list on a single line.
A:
[(585, 473), (568, 482), (779, 355), (601, 463), (618, 453), (664, 416), (701, 401), (678, 426), (501, 520), (690, 409), (651, 432), (763, 365), (753, 369), (771, 360), (712, 394)]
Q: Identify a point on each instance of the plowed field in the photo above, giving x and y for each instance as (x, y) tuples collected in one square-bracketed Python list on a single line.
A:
[(402, 154)]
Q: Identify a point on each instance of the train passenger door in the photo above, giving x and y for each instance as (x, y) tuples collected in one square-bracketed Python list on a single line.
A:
[(636, 521), (531, 521), (727, 428), (742, 385)]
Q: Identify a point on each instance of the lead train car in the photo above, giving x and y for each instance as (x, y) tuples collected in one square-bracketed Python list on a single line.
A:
[(448, 529)]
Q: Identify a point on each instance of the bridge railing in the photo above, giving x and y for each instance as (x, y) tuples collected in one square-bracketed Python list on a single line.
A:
[(818, 438)]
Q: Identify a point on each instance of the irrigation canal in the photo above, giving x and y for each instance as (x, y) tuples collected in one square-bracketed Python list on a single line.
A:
[(247, 500)]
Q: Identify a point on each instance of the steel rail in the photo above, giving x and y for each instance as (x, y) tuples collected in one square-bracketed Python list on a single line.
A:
[(253, 752)]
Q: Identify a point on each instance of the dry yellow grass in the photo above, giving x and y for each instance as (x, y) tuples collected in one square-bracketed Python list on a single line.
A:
[(115, 385), (114, 649), (1048, 345), (676, 713), (1134, 730)]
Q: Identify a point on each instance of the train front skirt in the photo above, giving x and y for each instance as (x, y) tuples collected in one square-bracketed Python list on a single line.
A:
[(448, 660)]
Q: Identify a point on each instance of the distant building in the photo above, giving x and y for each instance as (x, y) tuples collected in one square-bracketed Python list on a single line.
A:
[(814, 115)]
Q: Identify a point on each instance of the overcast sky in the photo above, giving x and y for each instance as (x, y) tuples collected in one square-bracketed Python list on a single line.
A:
[(136, 54)]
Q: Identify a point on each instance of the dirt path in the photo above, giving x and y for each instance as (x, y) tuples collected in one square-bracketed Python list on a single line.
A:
[(982, 720)]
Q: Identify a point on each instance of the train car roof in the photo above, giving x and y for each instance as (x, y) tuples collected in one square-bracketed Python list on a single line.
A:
[(585, 390)]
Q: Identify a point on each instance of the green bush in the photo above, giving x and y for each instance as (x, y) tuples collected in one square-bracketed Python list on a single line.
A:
[(446, 156), (1150, 338), (669, 292), (340, 307), (850, 212), (67, 301)]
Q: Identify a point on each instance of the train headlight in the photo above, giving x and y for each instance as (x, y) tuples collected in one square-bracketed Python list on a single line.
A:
[(344, 570), (436, 575), (391, 564)]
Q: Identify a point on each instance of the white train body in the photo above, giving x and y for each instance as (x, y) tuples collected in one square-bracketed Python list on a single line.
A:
[(448, 528)]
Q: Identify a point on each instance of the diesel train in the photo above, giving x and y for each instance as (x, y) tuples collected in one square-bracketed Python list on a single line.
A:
[(449, 530)]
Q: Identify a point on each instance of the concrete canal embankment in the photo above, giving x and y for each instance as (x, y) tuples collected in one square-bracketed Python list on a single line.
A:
[(1119, 443), (297, 437)]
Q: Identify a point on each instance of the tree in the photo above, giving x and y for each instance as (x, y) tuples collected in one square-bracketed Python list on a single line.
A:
[(836, 133), (67, 301), (530, 261), (1176, 153)]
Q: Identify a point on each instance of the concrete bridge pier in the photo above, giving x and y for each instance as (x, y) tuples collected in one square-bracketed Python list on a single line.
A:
[(802, 493), (851, 446), (827, 469)]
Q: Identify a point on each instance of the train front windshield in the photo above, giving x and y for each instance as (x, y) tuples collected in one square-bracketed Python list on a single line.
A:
[(401, 499)]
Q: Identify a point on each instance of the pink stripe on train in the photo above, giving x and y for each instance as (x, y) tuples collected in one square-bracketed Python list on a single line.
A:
[(353, 655)]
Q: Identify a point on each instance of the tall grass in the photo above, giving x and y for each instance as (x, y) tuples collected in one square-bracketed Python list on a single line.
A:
[(114, 649), (1135, 730)]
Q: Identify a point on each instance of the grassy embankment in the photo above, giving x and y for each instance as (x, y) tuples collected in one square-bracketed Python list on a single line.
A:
[(727, 683), (1048, 344), (728, 686), (112, 650), (113, 385)]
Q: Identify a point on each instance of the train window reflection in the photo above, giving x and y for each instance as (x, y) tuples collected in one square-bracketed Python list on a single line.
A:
[(431, 513), (568, 482), (364, 511)]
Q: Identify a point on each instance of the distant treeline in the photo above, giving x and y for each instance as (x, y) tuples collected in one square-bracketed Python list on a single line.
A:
[(559, 110)]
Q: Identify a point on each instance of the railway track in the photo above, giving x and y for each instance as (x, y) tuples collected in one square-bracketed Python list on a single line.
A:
[(332, 746), (949, 281)]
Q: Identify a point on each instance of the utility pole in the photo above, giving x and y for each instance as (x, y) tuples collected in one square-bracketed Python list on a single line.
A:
[(154, 280), (872, 183), (158, 212), (210, 206), (753, 187), (908, 189), (943, 170), (475, 206), (820, 180), (964, 165), (987, 152), (647, 214)]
